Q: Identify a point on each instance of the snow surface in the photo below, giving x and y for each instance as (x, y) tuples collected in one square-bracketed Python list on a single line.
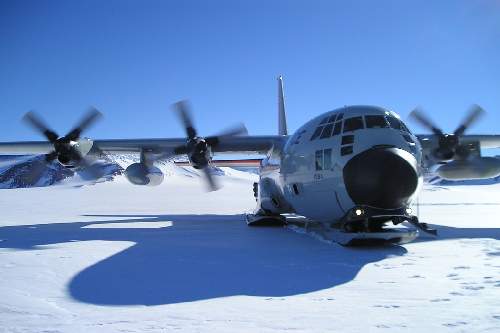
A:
[(114, 257)]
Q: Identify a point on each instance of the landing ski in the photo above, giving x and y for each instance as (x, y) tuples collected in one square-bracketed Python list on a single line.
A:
[(265, 220), (387, 236)]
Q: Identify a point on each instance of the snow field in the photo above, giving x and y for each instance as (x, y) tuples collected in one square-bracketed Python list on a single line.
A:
[(114, 257)]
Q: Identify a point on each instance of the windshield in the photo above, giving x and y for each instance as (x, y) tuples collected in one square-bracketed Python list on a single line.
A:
[(352, 124), (376, 122)]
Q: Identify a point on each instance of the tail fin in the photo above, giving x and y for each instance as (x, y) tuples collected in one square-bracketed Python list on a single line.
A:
[(282, 130)]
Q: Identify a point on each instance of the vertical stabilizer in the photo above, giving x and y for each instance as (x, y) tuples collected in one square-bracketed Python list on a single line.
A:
[(282, 130)]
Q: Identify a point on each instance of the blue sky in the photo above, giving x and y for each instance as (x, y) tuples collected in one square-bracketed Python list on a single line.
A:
[(133, 59)]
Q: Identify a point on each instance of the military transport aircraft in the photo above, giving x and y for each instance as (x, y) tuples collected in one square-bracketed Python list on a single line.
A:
[(355, 169)]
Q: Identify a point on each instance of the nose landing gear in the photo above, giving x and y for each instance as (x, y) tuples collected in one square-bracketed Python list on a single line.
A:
[(365, 225)]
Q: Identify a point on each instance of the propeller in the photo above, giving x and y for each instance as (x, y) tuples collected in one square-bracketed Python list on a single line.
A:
[(66, 147), (448, 144), (197, 148)]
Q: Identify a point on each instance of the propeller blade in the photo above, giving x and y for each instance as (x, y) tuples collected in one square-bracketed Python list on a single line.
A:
[(182, 110), (212, 184), (419, 116), (475, 112), (236, 130), (32, 119), (87, 121), (50, 156)]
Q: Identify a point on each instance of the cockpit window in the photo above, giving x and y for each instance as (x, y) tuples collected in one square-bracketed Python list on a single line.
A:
[(397, 124), (337, 129), (317, 132), (408, 138), (324, 121), (332, 118), (327, 131), (353, 124), (403, 126), (394, 122), (376, 122)]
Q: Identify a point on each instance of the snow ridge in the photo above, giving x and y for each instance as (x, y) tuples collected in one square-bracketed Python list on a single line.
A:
[(32, 171)]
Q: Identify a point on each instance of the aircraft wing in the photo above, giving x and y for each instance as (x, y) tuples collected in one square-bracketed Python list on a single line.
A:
[(25, 148), (229, 144), (485, 141)]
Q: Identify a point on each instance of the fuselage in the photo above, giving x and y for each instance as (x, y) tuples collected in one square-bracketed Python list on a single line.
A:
[(355, 155)]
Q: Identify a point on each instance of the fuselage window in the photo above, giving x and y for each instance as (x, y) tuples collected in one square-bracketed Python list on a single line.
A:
[(327, 131), (376, 122), (319, 160), (337, 129), (353, 124), (317, 132), (323, 159), (327, 159)]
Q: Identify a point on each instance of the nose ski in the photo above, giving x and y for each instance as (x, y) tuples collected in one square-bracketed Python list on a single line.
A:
[(361, 226)]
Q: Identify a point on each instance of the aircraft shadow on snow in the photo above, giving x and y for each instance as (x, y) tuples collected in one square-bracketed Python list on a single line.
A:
[(206, 256)]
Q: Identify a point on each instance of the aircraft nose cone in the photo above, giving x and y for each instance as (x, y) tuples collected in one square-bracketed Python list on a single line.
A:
[(381, 177)]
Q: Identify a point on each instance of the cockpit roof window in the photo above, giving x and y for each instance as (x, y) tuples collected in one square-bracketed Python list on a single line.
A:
[(353, 124), (324, 121), (340, 116), (373, 121), (332, 118)]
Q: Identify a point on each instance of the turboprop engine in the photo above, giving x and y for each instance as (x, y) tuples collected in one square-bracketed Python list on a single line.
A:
[(475, 168), (141, 174), (69, 150), (197, 148)]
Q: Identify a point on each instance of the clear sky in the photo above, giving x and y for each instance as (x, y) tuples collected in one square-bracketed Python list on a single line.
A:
[(133, 59)]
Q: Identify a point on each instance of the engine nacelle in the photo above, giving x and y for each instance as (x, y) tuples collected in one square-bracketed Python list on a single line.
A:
[(140, 174), (477, 168), (66, 155), (199, 154)]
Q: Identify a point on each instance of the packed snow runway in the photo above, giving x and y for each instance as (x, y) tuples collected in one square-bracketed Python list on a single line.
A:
[(120, 258)]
